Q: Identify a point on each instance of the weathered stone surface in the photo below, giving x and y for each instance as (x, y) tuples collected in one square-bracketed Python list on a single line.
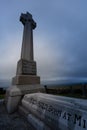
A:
[(25, 67), (38, 124), (27, 43), (34, 121), (15, 93), (59, 113), (25, 80), (12, 121)]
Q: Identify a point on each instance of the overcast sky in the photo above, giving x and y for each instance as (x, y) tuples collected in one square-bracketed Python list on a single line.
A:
[(60, 39)]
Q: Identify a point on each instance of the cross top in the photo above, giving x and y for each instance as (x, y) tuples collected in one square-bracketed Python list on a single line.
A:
[(27, 18)]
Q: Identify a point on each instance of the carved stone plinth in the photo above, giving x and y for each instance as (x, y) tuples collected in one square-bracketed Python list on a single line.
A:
[(26, 79), (25, 67), (15, 93)]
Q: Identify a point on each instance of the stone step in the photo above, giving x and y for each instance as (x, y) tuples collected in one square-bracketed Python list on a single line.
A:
[(34, 121), (23, 111), (57, 113), (15, 93), (37, 123)]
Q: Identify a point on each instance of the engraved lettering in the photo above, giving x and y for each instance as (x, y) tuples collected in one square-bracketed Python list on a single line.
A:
[(50, 108), (69, 115), (77, 118), (29, 67), (84, 123), (64, 115)]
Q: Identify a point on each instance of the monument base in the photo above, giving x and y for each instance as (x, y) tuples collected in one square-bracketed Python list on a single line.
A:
[(25, 79), (15, 93)]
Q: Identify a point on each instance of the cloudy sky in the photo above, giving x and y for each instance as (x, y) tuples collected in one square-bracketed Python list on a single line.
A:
[(60, 39)]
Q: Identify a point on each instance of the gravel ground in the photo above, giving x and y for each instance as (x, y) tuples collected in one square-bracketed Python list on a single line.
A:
[(12, 121)]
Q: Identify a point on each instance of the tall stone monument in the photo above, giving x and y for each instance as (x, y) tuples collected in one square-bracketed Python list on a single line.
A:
[(26, 80), (26, 68)]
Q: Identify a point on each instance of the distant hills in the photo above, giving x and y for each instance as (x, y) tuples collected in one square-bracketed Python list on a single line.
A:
[(63, 82), (4, 83)]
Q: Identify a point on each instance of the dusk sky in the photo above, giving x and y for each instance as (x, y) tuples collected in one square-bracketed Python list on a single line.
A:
[(60, 38)]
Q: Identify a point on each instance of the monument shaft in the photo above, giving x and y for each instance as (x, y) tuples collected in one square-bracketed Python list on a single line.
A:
[(27, 44)]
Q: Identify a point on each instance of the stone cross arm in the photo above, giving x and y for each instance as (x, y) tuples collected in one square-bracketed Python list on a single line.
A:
[(27, 18)]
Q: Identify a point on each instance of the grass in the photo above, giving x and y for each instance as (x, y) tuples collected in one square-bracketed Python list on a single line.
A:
[(2, 96), (73, 95), (68, 92)]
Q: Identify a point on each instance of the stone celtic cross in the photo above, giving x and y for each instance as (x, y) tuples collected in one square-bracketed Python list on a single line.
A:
[(27, 44), (26, 68)]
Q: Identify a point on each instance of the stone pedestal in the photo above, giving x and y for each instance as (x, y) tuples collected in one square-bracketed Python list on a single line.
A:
[(25, 80), (15, 93), (26, 73), (25, 67)]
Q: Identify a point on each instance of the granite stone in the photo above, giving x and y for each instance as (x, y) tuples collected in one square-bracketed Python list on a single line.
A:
[(27, 43), (25, 67), (25, 80), (58, 113), (13, 121), (15, 93)]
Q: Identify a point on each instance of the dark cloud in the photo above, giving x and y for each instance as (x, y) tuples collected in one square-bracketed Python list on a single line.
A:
[(60, 39)]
